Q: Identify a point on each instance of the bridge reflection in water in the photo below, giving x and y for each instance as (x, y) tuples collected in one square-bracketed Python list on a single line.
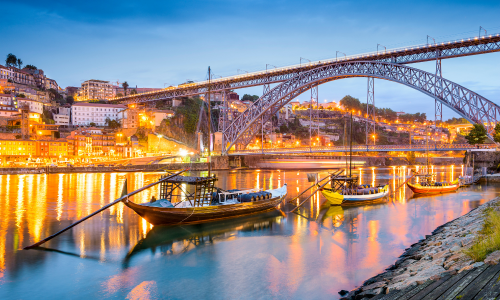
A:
[(313, 254)]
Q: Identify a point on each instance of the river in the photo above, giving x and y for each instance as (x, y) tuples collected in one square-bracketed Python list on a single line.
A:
[(277, 255)]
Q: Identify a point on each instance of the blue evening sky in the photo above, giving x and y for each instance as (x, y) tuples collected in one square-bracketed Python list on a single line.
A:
[(152, 43)]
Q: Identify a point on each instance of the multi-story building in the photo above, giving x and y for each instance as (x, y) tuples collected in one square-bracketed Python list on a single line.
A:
[(22, 76), (82, 114), (52, 148), (129, 118), (5, 72), (95, 90), (18, 147), (61, 119)]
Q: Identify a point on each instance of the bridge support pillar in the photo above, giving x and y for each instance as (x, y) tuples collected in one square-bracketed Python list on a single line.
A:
[(438, 107), (370, 109), (313, 115)]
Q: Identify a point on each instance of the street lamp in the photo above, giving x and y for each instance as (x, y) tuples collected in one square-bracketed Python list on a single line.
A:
[(373, 136)]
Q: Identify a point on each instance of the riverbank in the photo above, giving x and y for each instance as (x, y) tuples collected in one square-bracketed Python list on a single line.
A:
[(439, 255), (133, 168)]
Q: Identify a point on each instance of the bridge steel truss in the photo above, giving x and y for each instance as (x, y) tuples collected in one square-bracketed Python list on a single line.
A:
[(415, 54), (463, 101)]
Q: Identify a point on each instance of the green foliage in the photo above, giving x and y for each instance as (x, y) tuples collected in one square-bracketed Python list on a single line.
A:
[(113, 124), (11, 60), (19, 63), (477, 135), (488, 239), (190, 109), (21, 96), (70, 99), (248, 97), (496, 137), (31, 67), (18, 136), (54, 94), (133, 92), (99, 101), (119, 95), (350, 103), (454, 121), (417, 117), (47, 117), (92, 124), (296, 128), (125, 87)]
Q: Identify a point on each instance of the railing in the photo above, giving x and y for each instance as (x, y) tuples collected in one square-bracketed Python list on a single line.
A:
[(365, 148)]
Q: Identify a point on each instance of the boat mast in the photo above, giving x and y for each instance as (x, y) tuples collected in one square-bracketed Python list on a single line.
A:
[(209, 124), (350, 146)]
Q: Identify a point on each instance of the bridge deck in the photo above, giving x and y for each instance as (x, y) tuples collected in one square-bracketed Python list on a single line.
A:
[(366, 148), (479, 283)]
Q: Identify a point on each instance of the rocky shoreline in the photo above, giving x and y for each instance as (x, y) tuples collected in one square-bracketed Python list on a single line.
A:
[(435, 256)]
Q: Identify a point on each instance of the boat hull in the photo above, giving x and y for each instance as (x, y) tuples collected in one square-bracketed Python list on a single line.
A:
[(196, 215), (418, 189), (334, 198)]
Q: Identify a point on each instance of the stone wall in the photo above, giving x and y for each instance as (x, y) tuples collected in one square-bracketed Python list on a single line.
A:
[(486, 159)]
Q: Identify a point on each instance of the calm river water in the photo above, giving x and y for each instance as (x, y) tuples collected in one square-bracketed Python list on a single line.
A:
[(276, 255)]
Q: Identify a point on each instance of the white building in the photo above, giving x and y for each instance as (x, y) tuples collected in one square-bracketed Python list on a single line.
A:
[(85, 113), (160, 115), (61, 119), (6, 99), (34, 106)]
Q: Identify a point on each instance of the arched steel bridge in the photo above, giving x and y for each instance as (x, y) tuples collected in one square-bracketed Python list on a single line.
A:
[(404, 55), (463, 101), (364, 148)]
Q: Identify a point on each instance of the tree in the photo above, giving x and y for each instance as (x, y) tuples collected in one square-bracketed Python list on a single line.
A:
[(496, 137), (248, 97), (54, 95), (477, 135), (133, 92), (31, 67), (119, 95), (113, 124), (21, 96), (350, 103), (125, 87), (92, 124), (70, 99), (19, 63), (11, 60)]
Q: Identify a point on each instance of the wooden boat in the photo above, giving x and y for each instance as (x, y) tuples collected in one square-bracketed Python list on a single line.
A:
[(204, 205), (337, 197), (433, 188)]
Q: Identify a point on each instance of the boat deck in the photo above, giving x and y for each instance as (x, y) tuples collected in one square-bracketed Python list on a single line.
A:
[(479, 283)]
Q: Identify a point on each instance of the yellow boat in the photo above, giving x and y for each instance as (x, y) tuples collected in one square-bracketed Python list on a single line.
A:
[(336, 198)]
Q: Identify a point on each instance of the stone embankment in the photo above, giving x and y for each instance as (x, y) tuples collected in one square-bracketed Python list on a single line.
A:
[(438, 255)]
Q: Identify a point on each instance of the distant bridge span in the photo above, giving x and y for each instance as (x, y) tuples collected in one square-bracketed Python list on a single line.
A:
[(364, 148), (403, 55), (466, 103)]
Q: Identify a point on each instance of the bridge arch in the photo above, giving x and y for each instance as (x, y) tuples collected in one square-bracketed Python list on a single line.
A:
[(463, 101)]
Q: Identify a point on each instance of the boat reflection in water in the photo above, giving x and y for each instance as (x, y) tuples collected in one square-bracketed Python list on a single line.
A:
[(173, 240)]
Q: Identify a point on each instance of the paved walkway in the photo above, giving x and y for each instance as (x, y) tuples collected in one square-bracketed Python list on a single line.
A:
[(481, 283)]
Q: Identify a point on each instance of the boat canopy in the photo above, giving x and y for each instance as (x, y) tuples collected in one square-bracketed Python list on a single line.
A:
[(193, 180)]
